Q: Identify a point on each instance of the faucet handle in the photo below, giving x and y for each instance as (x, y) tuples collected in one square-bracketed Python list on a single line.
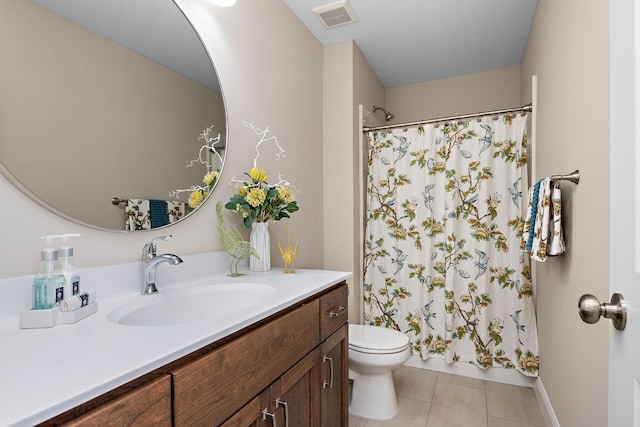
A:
[(150, 248)]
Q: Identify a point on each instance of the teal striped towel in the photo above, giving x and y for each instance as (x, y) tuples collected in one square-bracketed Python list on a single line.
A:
[(159, 213)]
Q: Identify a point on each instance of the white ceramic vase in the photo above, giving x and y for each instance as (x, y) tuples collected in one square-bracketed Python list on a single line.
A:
[(260, 241)]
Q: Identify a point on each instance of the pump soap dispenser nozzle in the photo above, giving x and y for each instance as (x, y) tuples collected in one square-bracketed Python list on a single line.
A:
[(66, 249), (49, 240), (49, 252)]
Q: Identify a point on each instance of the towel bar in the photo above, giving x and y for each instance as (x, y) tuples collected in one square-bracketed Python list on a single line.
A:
[(573, 177), (116, 201)]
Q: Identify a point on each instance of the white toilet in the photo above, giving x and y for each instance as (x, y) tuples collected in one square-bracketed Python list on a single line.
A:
[(373, 353)]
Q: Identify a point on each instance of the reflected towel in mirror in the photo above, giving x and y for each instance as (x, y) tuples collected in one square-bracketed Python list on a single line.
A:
[(145, 214)]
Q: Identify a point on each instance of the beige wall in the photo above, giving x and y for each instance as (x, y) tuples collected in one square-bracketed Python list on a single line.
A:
[(348, 82), (271, 75), (367, 91), (338, 155), (80, 114), (338, 176), (472, 93), (568, 51)]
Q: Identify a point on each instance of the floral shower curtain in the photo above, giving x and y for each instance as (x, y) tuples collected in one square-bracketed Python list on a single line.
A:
[(442, 242)]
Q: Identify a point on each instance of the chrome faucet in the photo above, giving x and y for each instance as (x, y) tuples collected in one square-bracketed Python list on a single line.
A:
[(150, 262)]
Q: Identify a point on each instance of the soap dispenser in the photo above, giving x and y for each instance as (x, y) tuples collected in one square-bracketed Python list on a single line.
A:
[(48, 283), (67, 266)]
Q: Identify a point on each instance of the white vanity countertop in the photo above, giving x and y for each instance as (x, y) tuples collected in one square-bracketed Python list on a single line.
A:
[(44, 372)]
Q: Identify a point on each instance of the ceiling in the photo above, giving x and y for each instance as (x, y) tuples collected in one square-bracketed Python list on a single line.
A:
[(412, 41), (404, 41)]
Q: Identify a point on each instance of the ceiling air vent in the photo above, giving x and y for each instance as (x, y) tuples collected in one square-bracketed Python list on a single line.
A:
[(335, 14)]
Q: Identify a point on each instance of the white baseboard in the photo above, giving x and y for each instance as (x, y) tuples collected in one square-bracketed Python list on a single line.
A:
[(545, 405), (505, 376), (499, 375)]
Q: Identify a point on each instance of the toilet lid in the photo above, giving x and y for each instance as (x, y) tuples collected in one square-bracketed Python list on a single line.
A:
[(376, 339)]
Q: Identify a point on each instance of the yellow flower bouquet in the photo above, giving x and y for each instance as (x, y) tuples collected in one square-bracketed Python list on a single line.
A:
[(200, 193), (259, 201)]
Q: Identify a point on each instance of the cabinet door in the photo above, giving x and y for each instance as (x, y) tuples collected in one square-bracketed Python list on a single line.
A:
[(296, 397), (291, 401), (256, 413), (335, 376)]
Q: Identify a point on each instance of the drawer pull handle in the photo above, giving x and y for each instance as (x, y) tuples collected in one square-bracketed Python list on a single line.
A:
[(341, 310), (266, 413), (329, 384), (286, 411)]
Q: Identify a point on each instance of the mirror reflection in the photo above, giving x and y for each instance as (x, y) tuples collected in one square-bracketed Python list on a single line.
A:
[(102, 100)]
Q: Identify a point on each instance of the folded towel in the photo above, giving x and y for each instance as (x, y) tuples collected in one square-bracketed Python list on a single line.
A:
[(532, 210), (556, 245), (176, 210), (143, 214), (158, 212), (543, 222), (541, 226), (137, 216)]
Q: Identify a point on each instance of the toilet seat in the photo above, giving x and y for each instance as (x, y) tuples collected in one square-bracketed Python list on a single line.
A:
[(376, 340)]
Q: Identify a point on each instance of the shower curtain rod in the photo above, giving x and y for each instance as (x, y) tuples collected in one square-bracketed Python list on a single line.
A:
[(524, 108)]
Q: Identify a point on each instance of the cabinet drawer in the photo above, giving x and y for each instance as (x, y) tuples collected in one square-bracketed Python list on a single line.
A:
[(208, 390), (148, 404), (333, 310)]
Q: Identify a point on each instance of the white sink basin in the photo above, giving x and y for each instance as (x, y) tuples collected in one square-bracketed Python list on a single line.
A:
[(192, 304)]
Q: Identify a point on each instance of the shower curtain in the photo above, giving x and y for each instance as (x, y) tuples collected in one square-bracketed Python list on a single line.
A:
[(442, 257)]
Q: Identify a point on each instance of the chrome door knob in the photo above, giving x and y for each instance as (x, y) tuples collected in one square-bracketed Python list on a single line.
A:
[(590, 310)]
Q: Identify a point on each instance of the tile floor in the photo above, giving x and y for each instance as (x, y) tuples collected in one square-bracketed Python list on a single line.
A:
[(433, 399)]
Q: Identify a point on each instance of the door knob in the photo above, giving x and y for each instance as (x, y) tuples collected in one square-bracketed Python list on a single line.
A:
[(590, 310)]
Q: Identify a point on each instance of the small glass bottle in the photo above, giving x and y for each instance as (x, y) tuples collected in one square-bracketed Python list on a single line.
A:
[(68, 269), (48, 284)]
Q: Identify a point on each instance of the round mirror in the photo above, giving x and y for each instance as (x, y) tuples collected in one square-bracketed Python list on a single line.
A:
[(111, 113)]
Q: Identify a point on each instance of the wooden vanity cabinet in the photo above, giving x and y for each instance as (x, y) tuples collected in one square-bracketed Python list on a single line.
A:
[(289, 370)]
